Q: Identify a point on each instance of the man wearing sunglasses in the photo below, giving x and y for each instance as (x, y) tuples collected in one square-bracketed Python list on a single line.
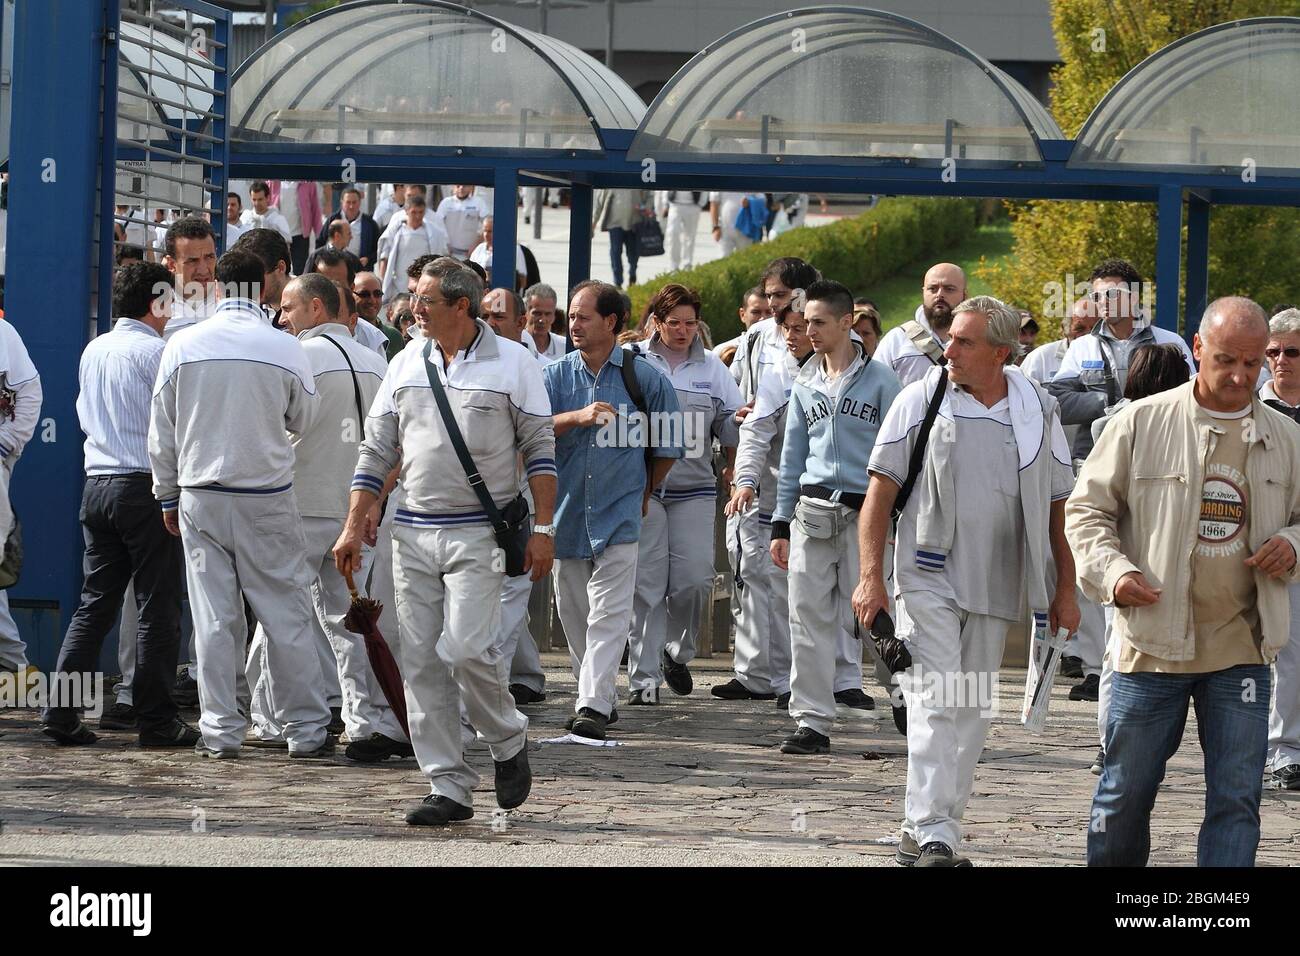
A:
[(1094, 370), (368, 291)]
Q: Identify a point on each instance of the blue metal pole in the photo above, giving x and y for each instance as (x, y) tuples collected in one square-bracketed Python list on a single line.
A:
[(59, 45), (504, 212), (580, 206), (1198, 261), (1169, 248), (108, 194)]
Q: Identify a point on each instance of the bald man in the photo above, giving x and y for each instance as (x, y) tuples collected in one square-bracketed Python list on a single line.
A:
[(917, 345), (1186, 517), (503, 309)]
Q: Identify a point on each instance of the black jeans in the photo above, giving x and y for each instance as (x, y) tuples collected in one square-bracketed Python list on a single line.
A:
[(298, 250), (125, 539)]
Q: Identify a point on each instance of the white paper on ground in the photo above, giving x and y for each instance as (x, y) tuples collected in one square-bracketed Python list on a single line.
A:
[(886, 841), (586, 741)]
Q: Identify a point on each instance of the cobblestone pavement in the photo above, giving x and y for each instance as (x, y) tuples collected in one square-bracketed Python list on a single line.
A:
[(698, 781)]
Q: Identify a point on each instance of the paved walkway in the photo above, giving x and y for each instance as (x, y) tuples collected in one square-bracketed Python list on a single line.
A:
[(699, 781)]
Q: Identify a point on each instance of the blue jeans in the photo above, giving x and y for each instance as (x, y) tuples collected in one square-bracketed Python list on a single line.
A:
[(1145, 726), (619, 240)]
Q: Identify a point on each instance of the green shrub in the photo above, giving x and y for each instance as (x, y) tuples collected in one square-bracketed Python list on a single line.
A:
[(859, 252)]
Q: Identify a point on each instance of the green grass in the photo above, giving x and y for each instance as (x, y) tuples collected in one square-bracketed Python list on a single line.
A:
[(898, 297)]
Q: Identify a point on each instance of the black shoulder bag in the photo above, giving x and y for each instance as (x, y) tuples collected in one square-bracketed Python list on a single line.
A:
[(511, 525), (917, 461)]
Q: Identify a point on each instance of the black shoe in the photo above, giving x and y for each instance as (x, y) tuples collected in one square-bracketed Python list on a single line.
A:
[(179, 734), (806, 741), (335, 726), (514, 779), (119, 717), (735, 690), (854, 699), (677, 677), (590, 724), (377, 747), (1288, 778), (317, 753), (1098, 763), (436, 811), (1072, 667), (643, 697), (908, 852), (73, 735), (610, 722), (900, 718), (783, 701), (185, 692), (525, 695), (939, 854), (1090, 689)]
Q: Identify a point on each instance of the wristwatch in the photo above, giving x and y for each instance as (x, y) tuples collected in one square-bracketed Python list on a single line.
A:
[(546, 529)]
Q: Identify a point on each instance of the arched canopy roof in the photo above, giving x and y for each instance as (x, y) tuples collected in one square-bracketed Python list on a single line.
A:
[(164, 82), (1206, 103), (426, 73), (843, 82)]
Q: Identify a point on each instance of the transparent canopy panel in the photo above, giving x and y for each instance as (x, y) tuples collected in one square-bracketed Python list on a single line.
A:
[(1218, 98), (426, 73), (843, 82)]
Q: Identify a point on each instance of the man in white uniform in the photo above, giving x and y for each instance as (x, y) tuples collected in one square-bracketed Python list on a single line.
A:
[(20, 410), (723, 210), (448, 564), (541, 301), (414, 237), (916, 346), (990, 494), (503, 310), (461, 216), (1083, 656), (347, 376), (263, 215), (228, 393), (681, 207)]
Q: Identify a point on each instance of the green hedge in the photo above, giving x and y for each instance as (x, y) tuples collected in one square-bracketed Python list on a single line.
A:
[(859, 252)]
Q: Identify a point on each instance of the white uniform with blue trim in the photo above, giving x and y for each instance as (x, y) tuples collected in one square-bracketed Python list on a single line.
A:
[(229, 391), (965, 549), (675, 569), (446, 564)]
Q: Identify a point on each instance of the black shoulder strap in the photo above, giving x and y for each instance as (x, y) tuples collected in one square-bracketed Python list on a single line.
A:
[(749, 361), (917, 461), (632, 383), (476, 481), (356, 386), (1112, 385)]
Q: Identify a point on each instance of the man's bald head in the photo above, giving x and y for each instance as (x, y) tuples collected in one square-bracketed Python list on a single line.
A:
[(1230, 349), (942, 290), (1234, 315)]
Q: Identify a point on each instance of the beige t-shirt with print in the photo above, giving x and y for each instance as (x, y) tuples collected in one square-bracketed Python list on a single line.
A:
[(1223, 587)]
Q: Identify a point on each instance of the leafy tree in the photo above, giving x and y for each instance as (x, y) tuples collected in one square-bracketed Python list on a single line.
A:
[(1100, 41)]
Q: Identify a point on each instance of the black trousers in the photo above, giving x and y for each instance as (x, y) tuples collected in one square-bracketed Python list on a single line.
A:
[(125, 539), (298, 250)]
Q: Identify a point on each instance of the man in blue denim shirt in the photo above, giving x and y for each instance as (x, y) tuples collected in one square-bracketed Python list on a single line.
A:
[(600, 457)]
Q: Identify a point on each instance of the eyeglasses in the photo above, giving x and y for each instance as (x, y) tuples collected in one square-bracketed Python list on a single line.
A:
[(1290, 352), (676, 326), (369, 294), (1108, 295), (425, 300)]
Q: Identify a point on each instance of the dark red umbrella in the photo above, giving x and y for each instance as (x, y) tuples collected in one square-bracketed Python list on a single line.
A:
[(363, 618)]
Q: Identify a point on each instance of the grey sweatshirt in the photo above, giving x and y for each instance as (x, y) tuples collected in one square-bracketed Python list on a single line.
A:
[(496, 392), (229, 390)]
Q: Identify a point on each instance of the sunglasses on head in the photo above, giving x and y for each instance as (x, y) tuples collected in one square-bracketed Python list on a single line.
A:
[(1290, 352)]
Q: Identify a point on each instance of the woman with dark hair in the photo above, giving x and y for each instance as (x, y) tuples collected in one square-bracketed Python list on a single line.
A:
[(674, 574), (1152, 369)]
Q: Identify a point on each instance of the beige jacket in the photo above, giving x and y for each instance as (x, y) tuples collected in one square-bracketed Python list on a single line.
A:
[(1136, 507)]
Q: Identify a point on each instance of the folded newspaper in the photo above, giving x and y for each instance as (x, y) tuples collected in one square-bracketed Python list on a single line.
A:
[(1045, 654)]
